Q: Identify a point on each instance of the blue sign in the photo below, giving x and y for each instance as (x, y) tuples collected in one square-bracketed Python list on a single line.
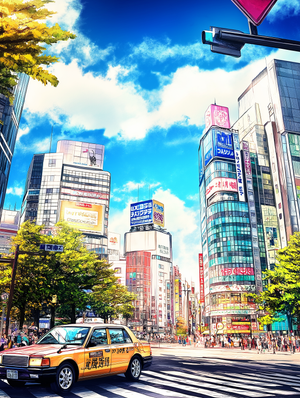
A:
[(141, 213), (52, 248), (208, 157), (223, 146)]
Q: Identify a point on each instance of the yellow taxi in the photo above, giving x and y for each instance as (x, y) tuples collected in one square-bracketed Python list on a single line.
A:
[(68, 353)]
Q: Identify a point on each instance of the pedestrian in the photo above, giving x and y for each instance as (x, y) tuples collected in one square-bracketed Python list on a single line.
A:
[(24, 339), (259, 346)]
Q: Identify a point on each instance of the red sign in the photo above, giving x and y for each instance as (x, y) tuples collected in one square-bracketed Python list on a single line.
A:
[(221, 184), (86, 205), (255, 10), (240, 327), (237, 271), (201, 277)]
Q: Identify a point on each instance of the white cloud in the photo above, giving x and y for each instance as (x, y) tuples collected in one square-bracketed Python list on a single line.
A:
[(181, 221), (22, 132), (18, 191), (40, 146), (158, 51), (283, 9), (194, 197)]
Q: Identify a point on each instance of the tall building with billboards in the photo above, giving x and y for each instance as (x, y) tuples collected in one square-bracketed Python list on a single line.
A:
[(149, 272), (70, 185), (269, 118), (10, 115), (229, 265)]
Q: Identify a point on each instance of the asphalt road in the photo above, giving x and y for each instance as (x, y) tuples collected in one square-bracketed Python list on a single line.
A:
[(188, 373)]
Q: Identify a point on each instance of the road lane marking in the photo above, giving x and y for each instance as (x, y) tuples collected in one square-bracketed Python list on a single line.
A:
[(3, 394), (42, 393), (85, 393), (207, 385)]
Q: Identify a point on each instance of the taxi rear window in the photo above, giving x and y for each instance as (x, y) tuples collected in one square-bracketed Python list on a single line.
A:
[(119, 336)]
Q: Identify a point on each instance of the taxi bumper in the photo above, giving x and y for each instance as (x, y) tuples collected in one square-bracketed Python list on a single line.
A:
[(147, 362), (38, 375)]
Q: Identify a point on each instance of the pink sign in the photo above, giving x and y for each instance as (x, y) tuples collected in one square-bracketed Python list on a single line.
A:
[(201, 277), (237, 271), (247, 159), (221, 184), (217, 116)]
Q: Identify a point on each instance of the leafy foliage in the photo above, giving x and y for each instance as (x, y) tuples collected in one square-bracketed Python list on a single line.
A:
[(76, 277), (22, 42), (282, 294)]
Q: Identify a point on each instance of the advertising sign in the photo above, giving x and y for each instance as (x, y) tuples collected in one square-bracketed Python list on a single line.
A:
[(114, 241), (85, 194), (83, 216), (221, 184), (141, 213), (201, 278), (147, 212), (223, 146), (253, 220), (216, 115), (237, 271), (238, 164), (176, 289), (158, 213)]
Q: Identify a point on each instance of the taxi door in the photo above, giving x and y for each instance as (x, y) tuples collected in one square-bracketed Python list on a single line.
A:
[(122, 349), (97, 355)]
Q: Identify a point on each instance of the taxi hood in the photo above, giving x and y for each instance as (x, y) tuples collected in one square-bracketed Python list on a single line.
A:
[(39, 349)]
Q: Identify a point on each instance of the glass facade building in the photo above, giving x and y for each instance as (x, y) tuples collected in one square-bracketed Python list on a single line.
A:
[(10, 116), (228, 232), (70, 185)]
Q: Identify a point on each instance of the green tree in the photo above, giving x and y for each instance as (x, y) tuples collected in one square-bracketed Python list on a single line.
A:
[(110, 299), (282, 293), (23, 38)]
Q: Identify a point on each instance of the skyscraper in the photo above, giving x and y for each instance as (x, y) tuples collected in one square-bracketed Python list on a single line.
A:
[(10, 116), (70, 185)]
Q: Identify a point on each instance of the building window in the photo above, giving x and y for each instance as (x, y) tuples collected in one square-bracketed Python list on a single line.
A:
[(117, 270), (46, 211), (51, 178), (160, 266), (161, 274), (52, 163), (49, 190)]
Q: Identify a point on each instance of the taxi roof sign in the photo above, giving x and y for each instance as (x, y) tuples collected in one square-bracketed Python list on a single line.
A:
[(255, 10)]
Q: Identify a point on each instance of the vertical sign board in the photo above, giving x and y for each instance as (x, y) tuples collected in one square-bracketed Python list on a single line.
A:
[(223, 147), (252, 214), (238, 164), (141, 213), (216, 115), (201, 278)]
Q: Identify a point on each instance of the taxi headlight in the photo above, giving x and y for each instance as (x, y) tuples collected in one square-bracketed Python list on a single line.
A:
[(0, 359), (39, 361)]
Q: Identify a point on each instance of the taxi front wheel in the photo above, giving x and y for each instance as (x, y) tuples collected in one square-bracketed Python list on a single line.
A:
[(64, 379), (134, 369)]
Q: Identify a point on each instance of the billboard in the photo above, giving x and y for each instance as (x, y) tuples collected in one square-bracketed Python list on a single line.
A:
[(216, 115), (82, 153), (83, 216), (114, 246), (201, 278), (238, 165), (158, 213), (221, 184), (163, 244), (223, 145), (85, 194), (147, 212)]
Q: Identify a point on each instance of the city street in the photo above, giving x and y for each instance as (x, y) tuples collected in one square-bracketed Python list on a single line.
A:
[(191, 372)]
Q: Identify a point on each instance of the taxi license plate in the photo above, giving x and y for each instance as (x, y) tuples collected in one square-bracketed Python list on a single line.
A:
[(12, 374)]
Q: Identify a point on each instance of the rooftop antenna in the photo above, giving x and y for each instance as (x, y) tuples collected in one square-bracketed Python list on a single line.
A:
[(15, 207), (149, 192), (215, 103), (51, 139)]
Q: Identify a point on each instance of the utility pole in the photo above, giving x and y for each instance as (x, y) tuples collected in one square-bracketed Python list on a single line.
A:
[(12, 288)]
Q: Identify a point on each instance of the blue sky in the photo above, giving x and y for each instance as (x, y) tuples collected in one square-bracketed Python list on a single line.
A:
[(138, 80)]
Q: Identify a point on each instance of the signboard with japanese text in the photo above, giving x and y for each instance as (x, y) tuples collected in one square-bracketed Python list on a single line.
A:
[(238, 164), (158, 213), (223, 146), (216, 115), (201, 278), (237, 271), (141, 213), (221, 184), (83, 216), (85, 194)]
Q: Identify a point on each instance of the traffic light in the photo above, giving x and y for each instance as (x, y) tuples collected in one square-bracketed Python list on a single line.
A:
[(219, 45)]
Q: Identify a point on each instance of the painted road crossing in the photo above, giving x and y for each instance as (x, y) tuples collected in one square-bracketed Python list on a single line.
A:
[(179, 378)]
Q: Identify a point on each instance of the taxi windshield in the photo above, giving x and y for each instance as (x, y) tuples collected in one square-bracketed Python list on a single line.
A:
[(73, 335)]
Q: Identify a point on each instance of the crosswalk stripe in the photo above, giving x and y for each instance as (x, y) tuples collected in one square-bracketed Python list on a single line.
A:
[(222, 380), (3, 394), (170, 384), (282, 375), (159, 391), (277, 379), (121, 391), (42, 393), (207, 385), (229, 378), (85, 393)]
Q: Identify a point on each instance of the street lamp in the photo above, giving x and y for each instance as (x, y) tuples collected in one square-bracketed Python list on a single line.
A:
[(187, 291)]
